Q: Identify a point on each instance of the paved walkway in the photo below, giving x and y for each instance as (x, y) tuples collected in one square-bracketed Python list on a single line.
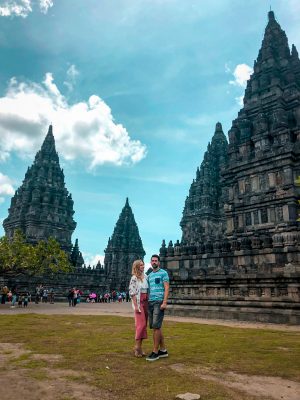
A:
[(125, 310)]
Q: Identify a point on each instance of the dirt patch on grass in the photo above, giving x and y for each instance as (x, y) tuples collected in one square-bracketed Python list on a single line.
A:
[(260, 386), (45, 383), (47, 357), (11, 351)]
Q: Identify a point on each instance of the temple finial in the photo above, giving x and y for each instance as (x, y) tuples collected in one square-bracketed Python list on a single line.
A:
[(219, 127), (271, 15)]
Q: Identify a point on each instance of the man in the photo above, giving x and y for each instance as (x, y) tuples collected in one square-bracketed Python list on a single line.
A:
[(158, 295)]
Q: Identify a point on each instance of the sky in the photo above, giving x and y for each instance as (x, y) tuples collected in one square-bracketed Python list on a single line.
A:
[(133, 89)]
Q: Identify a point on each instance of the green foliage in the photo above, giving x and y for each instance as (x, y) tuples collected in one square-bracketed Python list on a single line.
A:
[(49, 256), (17, 256)]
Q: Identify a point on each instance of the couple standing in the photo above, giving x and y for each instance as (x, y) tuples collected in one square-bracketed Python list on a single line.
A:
[(149, 293)]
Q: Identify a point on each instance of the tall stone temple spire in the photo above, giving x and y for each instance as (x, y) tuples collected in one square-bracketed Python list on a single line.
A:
[(203, 215), (42, 207), (264, 158), (122, 249), (76, 256)]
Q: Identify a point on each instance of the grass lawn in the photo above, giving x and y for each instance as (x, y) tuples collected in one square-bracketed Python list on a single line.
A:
[(101, 347)]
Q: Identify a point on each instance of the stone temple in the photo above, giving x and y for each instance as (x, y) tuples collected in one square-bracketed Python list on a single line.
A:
[(239, 253), (124, 247), (42, 207)]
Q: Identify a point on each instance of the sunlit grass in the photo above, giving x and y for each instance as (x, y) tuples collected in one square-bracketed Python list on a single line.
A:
[(101, 346)]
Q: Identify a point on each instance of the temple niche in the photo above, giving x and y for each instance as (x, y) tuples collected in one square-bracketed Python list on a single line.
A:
[(124, 247), (42, 207), (239, 253)]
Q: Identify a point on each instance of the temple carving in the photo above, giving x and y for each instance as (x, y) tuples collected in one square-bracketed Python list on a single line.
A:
[(239, 252)]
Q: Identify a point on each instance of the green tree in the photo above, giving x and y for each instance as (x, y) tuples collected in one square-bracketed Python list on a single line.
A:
[(17, 256), (49, 257), (15, 253)]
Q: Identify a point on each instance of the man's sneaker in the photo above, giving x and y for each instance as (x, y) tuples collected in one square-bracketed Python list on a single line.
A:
[(163, 353), (152, 357)]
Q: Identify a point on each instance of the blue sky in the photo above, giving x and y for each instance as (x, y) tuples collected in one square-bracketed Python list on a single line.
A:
[(134, 89)]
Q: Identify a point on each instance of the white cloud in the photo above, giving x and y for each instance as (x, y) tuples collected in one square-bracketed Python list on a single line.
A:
[(240, 100), (72, 71), (241, 74), (45, 5), (6, 187), (22, 8), (84, 131), (227, 68), (72, 74), (19, 8), (92, 260)]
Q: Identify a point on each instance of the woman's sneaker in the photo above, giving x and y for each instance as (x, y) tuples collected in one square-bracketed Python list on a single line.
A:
[(163, 353), (152, 357)]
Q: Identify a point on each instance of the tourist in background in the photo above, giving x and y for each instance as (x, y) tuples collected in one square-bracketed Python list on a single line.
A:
[(20, 300), (138, 290), (70, 297), (4, 293), (9, 296), (51, 296), (75, 297), (45, 296), (158, 281), (37, 295), (14, 297), (26, 299)]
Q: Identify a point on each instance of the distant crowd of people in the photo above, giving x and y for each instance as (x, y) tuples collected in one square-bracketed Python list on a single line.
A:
[(47, 295), (44, 295), (22, 297), (75, 296), (13, 297), (113, 296)]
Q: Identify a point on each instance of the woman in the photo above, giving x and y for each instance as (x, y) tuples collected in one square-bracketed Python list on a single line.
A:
[(138, 291)]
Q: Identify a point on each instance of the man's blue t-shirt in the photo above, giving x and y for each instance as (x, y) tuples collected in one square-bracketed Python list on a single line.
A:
[(156, 284)]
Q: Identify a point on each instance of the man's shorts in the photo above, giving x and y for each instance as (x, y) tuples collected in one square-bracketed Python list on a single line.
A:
[(156, 315)]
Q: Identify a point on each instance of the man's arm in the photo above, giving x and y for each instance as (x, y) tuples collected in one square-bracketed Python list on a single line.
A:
[(166, 295)]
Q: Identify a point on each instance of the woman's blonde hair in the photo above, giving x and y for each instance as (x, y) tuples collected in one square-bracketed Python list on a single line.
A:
[(136, 269)]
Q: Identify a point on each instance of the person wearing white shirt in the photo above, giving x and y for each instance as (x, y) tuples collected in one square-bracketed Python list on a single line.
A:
[(138, 291)]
